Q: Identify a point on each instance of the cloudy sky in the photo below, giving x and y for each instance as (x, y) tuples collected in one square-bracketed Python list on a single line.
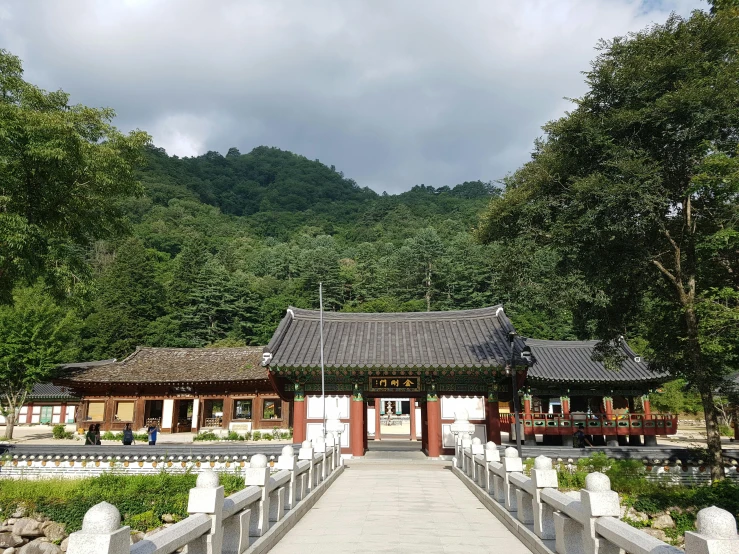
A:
[(392, 92)]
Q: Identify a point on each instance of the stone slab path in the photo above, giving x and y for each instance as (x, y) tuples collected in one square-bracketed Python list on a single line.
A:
[(404, 507)]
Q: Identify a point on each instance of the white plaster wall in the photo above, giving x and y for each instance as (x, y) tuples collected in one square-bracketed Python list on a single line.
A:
[(474, 405), (167, 409), (333, 404), (195, 412), (370, 421), (419, 431)]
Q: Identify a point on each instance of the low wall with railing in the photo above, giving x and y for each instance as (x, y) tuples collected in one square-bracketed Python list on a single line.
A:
[(547, 520), (608, 425), (76, 466), (251, 520)]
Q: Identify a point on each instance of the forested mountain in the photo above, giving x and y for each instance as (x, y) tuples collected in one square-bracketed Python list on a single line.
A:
[(221, 245)]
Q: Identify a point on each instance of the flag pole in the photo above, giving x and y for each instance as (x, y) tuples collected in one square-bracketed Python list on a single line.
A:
[(323, 376)]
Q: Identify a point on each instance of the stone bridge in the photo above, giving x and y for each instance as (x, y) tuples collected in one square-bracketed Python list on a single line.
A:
[(313, 502)]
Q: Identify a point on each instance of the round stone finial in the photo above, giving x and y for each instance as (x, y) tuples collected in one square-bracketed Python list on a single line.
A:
[(462, 415), (542, 462), (511, 452), (288, 450), (597, 482), (476, 441), (307, 444), (207, 480), (258, 460), (716, 523), (490, 445), (101, 518)]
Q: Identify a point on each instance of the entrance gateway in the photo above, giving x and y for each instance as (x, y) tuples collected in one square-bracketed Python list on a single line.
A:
[(389, 370)]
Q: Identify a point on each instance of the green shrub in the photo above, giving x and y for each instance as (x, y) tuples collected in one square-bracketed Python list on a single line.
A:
[(285, 435), (110, 436), (233, 436), (267, 436), (247, 436), (206, 436), (726, 431), (141, 499), (256, 435), (275, 433), (145, 521), (59, 432)]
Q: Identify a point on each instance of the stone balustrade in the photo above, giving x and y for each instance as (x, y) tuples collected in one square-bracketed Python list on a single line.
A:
[(548, 520), (251, 520)]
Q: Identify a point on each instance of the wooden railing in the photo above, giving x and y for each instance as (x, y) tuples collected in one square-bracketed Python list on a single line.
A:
[(593, 424)]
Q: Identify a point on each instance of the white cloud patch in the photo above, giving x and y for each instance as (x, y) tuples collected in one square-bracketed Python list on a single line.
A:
[(392, 93)]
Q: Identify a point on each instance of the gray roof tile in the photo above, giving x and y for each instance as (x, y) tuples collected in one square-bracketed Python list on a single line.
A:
[(464, 338), (572, 361)]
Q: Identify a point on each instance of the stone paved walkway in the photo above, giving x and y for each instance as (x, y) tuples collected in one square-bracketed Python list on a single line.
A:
[(405, 507)]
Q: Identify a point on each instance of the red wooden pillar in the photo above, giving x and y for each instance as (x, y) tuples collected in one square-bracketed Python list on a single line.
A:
[(413, 419), (565, 401), (364, 433), (492, 420), (433, 415), (300, 413), (608, 405), (527, 406), (645, 404), (378, 435), (356, 424), (29, 414), (424, 427)]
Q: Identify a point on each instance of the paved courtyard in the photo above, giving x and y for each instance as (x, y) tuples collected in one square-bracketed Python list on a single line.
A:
[(408, 506)]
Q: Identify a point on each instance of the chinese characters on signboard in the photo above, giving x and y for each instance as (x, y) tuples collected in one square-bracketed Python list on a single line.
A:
[(396, 384)]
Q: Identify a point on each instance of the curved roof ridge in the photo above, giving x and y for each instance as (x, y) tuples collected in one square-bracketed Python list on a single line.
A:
[(303, 314)]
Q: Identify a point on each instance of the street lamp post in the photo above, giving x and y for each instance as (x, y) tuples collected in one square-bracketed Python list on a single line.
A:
[(526, 355)]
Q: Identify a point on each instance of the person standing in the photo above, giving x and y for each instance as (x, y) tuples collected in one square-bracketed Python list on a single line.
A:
[(128, 438), (97, 435), (90, 436), (152, 431)]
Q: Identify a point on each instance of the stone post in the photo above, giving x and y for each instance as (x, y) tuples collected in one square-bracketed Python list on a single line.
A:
[(715, 534), (287, 461), (598, 500), (462, 429), (101, 532), (207, 498), (543, 476), (491, 455), (331, 451), (477, 449), (319, 447), (511, 463), (306, 453), (257, 475)]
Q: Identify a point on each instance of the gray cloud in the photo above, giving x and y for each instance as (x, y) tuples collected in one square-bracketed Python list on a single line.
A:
[(392, 92)]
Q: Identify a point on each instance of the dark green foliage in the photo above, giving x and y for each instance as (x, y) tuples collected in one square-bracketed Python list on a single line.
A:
[(59, 432), (141, 499)]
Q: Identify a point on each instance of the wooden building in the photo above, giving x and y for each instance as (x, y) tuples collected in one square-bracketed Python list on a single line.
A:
[(47, 404), (442, 362), (179, 389)]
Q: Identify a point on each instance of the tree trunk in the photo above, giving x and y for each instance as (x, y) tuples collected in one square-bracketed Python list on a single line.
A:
[(705, 387), (713, 435), (9, 425)]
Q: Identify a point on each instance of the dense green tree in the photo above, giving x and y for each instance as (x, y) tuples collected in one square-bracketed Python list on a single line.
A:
[(129, 301), (62, 169), (36, 334), (637, 191)]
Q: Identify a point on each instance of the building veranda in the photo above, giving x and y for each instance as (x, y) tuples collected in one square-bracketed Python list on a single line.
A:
[(440, 362)]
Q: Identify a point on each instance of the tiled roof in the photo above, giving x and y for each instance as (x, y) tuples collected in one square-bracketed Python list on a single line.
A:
[(571, 361), (174, 365), (48, 391), (467, 338)]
